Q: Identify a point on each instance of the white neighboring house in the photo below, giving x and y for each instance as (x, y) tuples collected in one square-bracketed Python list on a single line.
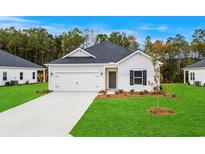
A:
[(195, 73), (104, 66), (13, 68)]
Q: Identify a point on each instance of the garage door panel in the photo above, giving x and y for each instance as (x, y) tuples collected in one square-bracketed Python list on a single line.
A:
[(77, 81)]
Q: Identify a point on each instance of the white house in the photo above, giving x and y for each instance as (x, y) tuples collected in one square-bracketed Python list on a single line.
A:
[(104, 66), (195, 73), (13, 68)]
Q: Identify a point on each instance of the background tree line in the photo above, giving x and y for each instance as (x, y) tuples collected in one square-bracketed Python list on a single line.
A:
[(40, 46)]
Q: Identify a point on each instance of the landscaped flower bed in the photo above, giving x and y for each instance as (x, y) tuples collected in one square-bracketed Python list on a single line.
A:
[(122, 94)]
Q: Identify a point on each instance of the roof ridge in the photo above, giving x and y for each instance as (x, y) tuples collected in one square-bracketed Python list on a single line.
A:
[(106, 41)]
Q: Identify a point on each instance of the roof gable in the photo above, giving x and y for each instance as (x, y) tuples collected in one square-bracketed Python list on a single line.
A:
[(79, 53), (10, 60), (140, 53)]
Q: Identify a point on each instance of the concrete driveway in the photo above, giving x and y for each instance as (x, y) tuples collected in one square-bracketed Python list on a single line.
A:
[(54, 114)]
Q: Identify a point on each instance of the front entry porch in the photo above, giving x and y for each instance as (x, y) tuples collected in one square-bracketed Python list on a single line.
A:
[(111, 79)]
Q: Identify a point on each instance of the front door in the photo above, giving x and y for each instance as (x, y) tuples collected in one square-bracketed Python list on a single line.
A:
[(186, 76), (112, 80)]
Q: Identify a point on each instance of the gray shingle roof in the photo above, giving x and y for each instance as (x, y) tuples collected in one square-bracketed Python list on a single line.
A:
[(200, 63), (104, 52), (10, 60)]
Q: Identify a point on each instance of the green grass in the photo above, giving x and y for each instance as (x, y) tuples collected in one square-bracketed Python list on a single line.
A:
[(129, 116), (15, 95)]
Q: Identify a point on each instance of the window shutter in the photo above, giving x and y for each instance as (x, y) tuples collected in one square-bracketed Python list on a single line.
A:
[(144, 77), (131, 77)]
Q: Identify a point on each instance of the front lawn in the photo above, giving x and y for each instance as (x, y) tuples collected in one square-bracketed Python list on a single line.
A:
[(15, 95), (129, 116)]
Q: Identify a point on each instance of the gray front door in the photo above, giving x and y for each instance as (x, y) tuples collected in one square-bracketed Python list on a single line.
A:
[(112, 80)]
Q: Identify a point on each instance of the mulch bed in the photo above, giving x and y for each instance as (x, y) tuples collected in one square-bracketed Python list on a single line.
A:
[(43, 92), (161, 111), (129, 94)]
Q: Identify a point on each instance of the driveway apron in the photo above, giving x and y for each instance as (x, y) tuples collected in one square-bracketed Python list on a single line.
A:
[(54, 114)]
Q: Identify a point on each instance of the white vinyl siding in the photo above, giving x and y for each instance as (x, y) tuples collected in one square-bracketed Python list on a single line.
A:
[(14, 74), (196, 74), (137, 62)]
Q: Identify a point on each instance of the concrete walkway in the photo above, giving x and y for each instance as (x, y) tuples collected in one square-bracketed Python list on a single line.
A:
[(54, 114)]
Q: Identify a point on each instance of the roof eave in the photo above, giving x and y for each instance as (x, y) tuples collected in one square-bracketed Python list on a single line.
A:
[(192, 68)]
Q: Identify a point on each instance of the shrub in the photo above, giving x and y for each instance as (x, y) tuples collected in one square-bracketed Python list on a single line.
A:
[(160, 92), (161, 78), (7, 83), (132, 91), (155, 93), (108, 95), (146, 92), (116, 92), (160, 87), (174, 95), (204, 85), (141, 93), (156, 88), (103, 91), (121, 90)]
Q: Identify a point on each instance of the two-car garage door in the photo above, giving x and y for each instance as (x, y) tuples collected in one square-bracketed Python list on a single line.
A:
[(76, 81)]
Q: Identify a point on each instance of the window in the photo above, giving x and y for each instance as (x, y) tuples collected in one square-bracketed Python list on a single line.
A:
[(137, 77), (192, 76), (21, 75), (34, 75), (4, 76)]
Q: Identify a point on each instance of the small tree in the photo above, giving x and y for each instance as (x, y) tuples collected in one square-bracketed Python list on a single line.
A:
[(156, 86)]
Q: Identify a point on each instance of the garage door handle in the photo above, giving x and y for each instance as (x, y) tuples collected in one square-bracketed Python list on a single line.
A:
[(77, 82)]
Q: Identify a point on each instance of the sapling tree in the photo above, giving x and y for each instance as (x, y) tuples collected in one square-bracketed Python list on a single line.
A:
[(156, 87)]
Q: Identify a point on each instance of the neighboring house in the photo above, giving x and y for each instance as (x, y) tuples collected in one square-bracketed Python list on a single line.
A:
[(13, 68), (195, 73), (104, 66)]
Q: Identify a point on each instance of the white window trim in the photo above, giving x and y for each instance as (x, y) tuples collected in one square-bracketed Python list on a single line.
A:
[(192, 76), (6, 76), (137, 77), (20, 75), (33, 75)]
